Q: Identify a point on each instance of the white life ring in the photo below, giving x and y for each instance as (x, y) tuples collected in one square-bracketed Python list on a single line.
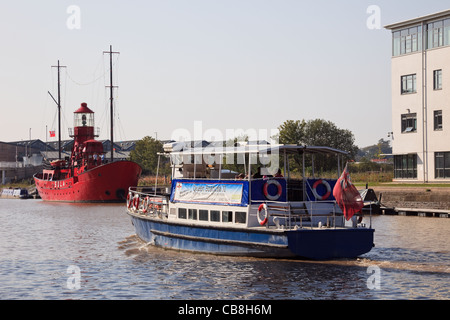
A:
[(129, 200), (136, 202), (265, 219), (145, 204), (327, 186), (266, 192)]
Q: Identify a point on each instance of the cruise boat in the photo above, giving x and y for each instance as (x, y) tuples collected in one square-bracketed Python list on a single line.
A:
[(268, 215)]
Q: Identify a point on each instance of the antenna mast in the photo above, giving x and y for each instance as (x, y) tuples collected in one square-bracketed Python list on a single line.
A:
[(110, 52), (59, 110)]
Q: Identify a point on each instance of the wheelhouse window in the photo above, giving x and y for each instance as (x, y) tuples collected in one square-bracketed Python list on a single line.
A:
[(405, 166), (408, 84), (437, 79), (442, 165), (409, 122), (438, 120)]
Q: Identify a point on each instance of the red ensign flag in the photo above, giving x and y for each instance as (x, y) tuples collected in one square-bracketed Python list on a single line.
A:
[(52, 133), (347, 197)]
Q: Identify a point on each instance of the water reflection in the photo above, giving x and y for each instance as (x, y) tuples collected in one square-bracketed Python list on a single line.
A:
[(39, 241)]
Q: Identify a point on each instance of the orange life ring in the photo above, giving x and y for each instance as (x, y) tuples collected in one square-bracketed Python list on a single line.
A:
[(266, 218), (266, 192), (327, 186)]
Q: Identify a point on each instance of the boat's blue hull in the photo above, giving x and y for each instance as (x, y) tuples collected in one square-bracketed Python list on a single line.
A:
[(317, 244)]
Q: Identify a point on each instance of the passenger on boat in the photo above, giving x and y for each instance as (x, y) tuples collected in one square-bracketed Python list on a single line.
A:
[(278, 174), (258, 174), (240, 176)]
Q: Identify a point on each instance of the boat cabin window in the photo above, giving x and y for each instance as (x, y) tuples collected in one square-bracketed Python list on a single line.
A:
[(182, 213), (192, 214), (203, 215), (215, 215), (240, 217), (227, 216)]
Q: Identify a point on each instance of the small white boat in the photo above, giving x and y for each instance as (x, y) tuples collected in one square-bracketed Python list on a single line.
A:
[(16, 193), (264, 216)]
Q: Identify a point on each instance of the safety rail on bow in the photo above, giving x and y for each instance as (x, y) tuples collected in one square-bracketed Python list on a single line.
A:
[(144, 202)]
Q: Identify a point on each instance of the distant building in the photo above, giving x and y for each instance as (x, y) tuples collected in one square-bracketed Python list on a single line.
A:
[(21, 159), (420, 74)]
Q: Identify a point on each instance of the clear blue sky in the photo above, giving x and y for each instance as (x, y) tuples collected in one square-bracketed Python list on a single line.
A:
[(230, 64)]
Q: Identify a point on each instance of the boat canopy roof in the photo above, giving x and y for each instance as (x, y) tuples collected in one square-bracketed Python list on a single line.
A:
[(175, 149)]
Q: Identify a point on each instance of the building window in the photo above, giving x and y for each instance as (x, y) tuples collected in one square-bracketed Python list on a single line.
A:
[(437, 79), (408, 83), (446, 32), (442, 165), (409, 122), (405, 166), (438, 33), (435, 34), (406, 41), (438, 120)]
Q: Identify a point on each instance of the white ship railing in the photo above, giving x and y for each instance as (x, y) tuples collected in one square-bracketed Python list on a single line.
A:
[(146, 202), (310, 214)]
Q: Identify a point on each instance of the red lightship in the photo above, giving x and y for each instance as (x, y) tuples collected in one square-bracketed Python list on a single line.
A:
[(87, 176)]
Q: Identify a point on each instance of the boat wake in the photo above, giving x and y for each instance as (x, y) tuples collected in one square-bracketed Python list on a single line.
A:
[(405, 265), (131, 245), (134, 246)]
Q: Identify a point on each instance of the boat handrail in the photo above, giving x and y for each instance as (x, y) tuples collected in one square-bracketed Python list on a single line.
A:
[(295, 212), (141, 202)]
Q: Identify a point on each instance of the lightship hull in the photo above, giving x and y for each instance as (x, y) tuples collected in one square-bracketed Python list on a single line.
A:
[(105, 183)]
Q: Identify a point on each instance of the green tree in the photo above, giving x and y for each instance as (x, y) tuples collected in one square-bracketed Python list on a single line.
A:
[(146, 155), (317, 132), (292, 132), (320, 132)]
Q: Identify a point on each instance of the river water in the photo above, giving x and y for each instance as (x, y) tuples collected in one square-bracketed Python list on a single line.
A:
[(88, 251)]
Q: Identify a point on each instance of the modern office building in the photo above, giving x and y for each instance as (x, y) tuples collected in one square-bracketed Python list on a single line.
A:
[(421, 98)]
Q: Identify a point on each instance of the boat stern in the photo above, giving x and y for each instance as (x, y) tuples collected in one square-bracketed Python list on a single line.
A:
[(330, 243)]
